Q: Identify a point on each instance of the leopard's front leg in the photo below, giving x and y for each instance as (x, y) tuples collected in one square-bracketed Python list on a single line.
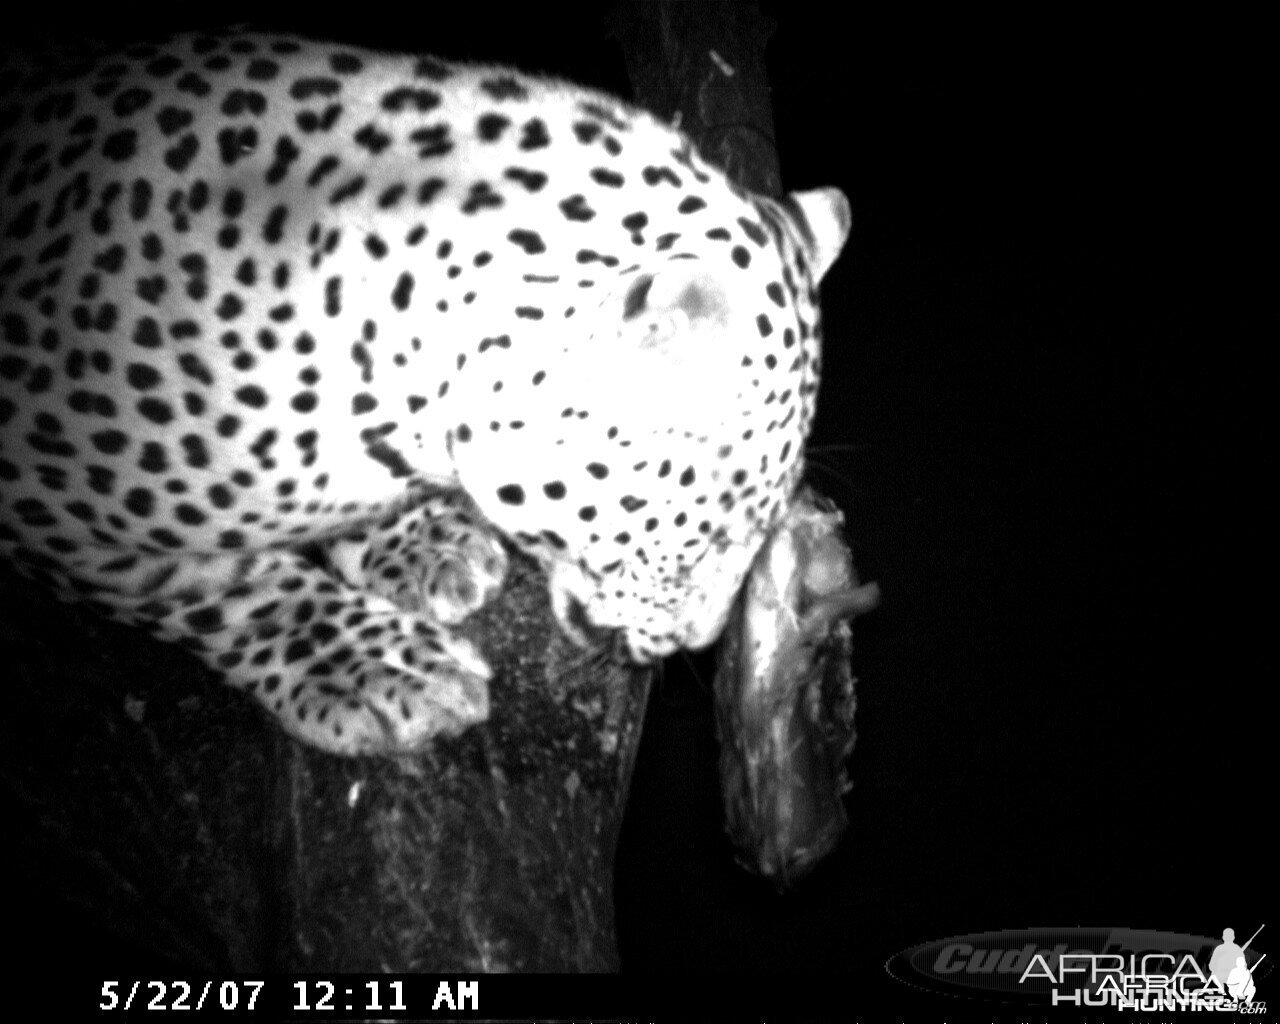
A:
[(437, 555), (341, 667)]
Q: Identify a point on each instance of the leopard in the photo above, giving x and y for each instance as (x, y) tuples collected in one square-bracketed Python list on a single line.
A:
[(298, 339)]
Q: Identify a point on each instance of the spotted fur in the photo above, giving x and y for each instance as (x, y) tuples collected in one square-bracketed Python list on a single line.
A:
[(290, 333)]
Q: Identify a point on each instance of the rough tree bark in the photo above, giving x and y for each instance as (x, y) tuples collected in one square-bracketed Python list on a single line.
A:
[(161, 809)]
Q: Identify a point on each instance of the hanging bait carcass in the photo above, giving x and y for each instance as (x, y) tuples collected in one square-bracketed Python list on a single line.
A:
[(784, 693)]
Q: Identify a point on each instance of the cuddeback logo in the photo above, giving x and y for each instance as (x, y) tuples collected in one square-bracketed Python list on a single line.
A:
[(1121, 968)]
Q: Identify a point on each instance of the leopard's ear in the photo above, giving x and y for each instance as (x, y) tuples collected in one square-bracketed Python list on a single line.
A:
[(823, 219)]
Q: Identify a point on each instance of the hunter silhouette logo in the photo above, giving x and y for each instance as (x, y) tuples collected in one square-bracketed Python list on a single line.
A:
[(1229, 968)]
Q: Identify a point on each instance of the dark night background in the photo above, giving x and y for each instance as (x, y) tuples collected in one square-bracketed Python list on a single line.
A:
[(1041, 415)]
